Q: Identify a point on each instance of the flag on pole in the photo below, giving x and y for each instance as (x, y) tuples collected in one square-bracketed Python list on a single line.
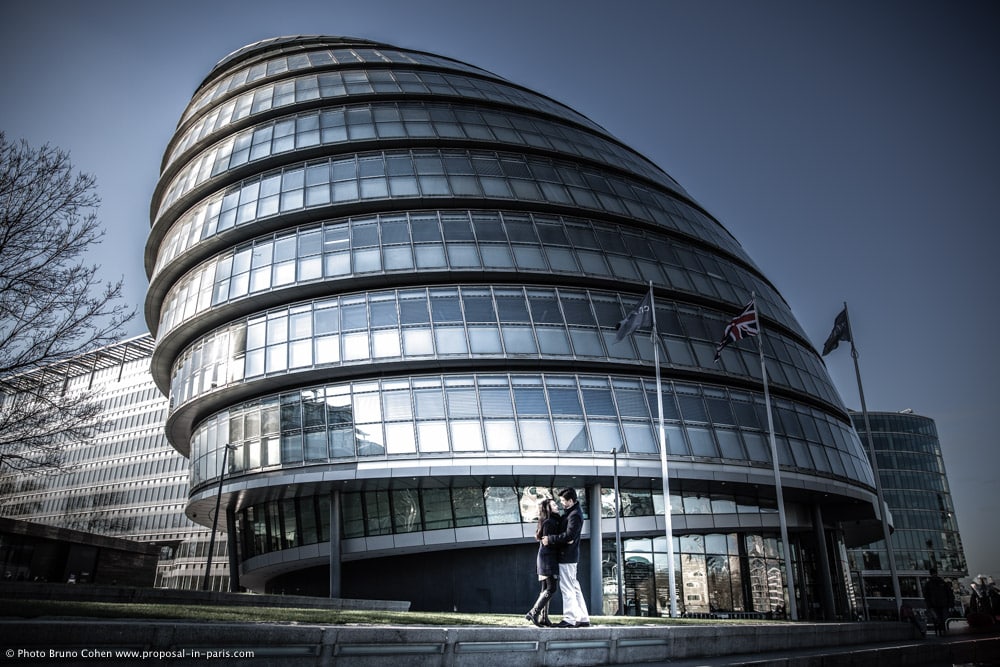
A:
[(639, 318), (741, 326), (841, 332)]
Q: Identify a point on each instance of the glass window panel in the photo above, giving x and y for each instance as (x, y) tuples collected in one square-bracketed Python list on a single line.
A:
[(378, 517), (451, 340), (605, 436), (327, 349), (445, 306), (553, 341), (462, 403), (598, 402), (572, 436), (337, 264), (639, 439), (519, 340), (702, 442), (369, 440), (467, 436), (413, 308), (355, 346), (383, 313), (530, 401), (386, 343), (730, 445), (577, 312), (721, 411), (457, 228), (586, 343), (496, 402), (429, 403), (341, 442), (470, 506), (300, 353), (354, 316), (291, 448), (276, 358), (800, 451), (417, 342), (484, 340), (367, 408), (398, 258), (536, 435), (528, 257), (315, 445), (396, 405), (693, 408), (463, 256), (561, 259), (502, 505), (500, 435), (406, 510), (437, 509), (757, 448), (565, 402), (631, 403), (496, 256), (433, 436), (545, 309), (430, 256), (512, 308), (399, 438), (746, 416)]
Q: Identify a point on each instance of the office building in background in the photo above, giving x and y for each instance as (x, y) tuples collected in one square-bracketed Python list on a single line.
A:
[(916, 490), (125, 482)]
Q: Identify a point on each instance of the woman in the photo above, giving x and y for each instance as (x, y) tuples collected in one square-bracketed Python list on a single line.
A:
[(546, 563)]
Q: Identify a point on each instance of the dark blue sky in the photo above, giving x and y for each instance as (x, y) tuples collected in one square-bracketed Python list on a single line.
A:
[(852, 147)]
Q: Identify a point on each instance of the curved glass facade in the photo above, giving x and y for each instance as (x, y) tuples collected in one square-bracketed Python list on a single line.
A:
[(380, 271)]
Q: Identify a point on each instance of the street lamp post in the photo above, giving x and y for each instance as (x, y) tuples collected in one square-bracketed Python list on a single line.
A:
[(215, 520)]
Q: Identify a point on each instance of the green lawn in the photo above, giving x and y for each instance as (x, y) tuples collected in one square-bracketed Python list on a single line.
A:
[(81, 609)]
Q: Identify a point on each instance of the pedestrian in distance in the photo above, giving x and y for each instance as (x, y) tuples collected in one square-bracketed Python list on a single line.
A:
[(546, 562), (939, 597), (568, 540)]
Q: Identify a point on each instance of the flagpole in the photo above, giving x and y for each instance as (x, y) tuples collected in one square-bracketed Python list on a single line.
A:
[(789, 570), (886, 535), (618, 540), (668, 513)]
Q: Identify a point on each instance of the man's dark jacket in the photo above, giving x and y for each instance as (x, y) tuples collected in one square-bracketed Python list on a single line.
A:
[(569, 538)]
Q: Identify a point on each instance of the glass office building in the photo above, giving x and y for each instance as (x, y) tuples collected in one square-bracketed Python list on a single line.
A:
[(384, 287), (915, 485), (126, 481)]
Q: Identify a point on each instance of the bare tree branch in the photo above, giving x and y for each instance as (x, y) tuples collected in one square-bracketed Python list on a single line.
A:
[(53, 306)]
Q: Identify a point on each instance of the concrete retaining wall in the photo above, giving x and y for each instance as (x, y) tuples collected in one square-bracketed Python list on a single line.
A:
[(80, 641)]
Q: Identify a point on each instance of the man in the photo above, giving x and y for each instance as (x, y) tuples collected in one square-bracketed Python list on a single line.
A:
[(939, 598), (574, 606)]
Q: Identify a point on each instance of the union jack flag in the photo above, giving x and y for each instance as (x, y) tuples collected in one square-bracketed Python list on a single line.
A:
[(741, 326)]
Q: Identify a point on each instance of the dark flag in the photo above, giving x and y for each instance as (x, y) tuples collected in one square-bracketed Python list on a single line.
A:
[(639, 318), (841, 332), (741, 326)]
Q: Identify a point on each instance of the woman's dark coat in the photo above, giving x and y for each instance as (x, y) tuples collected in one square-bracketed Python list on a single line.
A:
[(547, 562)]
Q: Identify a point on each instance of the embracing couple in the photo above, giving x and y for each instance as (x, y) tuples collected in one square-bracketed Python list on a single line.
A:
[(558, 554)]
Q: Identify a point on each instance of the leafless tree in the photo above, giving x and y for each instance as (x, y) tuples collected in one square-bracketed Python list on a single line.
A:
[(53, 307)]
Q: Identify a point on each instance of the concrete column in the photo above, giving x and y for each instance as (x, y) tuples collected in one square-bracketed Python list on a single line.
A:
[(825, 574), (234, 561), (596, 605), (335, 544)]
